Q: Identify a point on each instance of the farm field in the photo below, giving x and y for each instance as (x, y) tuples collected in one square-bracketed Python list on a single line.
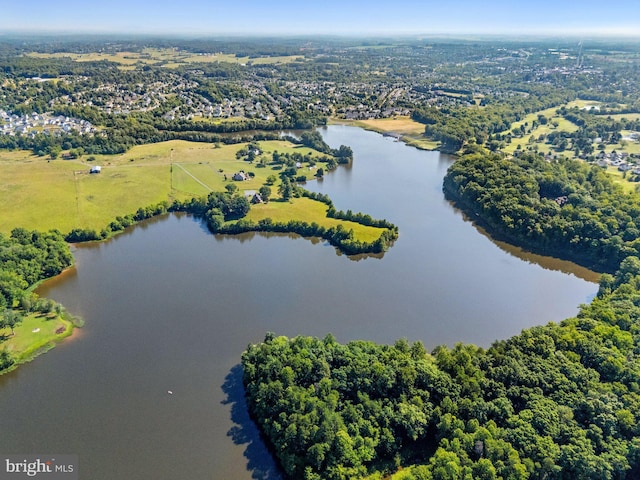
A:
[(37, 193)]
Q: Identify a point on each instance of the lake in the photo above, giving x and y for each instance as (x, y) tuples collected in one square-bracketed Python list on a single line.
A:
[(170, 307)]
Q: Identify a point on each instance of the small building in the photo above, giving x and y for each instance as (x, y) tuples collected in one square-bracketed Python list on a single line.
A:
[(239, 176), (95, 169), (561, 200), (257, 198)]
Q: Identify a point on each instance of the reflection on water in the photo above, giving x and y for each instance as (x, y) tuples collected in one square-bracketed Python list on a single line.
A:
[(248, 236), (244, 431), (548, 263)]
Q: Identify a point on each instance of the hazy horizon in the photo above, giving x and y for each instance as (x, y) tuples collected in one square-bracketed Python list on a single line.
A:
[(333, 18)]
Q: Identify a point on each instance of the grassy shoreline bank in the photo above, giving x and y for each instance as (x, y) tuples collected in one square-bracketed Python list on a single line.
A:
[(37, 334)]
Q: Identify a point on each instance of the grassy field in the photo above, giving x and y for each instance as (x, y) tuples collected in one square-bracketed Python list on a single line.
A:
[(628, 116), (309, 211), (563, 125), (410, 131), (626, 146), (40, 194), (618, 177), (37, 193), (62, 194), (400, 125), (583, 103), (37, 333)]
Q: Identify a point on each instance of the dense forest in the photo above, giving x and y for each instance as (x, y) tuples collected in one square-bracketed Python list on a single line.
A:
[(566, 208)]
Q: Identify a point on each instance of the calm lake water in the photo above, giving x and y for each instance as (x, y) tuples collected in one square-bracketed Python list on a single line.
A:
[(168, 306)]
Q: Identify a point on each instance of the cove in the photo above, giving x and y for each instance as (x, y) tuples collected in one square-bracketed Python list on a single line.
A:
[(168, 306)]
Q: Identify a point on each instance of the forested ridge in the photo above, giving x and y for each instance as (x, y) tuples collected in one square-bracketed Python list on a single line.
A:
[(558, 401)]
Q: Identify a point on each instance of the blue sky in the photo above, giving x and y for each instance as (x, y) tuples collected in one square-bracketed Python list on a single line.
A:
[(344, 17)]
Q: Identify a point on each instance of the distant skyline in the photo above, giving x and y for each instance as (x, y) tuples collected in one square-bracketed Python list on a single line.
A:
[(331, 17)]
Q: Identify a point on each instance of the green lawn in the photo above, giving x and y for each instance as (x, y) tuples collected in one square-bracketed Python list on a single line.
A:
[(36, 332), (627, 146), (621, 179), (563, 125), (583, 103), (310, 211), (628, 116)]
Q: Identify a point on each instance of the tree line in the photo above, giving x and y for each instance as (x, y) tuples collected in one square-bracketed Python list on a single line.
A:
[(454, 127), (122, 133)]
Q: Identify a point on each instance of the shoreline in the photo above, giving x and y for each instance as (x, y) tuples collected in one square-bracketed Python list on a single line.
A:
[(40, 345), (409, 136)]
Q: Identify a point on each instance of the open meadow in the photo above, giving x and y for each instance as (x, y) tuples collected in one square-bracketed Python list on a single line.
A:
[(39, 193)]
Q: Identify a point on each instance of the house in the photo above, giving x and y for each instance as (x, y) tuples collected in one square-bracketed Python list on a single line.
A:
[(239, 176), (257, 198), (95, 169)]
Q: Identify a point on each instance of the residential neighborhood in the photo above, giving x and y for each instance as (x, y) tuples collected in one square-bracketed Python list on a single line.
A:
[(45, 123)]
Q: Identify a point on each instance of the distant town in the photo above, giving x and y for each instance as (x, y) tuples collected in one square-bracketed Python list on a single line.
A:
[(559, 99)]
